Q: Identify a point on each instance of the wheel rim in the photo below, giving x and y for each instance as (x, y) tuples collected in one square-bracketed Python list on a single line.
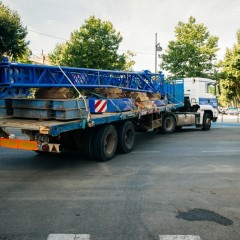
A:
[(169, 123), (129, 137), (208, 122), (109, 143)]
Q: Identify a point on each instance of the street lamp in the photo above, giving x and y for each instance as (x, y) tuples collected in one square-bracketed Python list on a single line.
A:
[(158, 48)]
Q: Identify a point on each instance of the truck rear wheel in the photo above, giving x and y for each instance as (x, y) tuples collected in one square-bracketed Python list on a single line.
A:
[(88, 143), (126, 137), (104, 143), (168, 124), (206, 121)]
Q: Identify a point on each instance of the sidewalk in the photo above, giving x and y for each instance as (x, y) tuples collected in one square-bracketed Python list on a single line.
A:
[(226, 121)]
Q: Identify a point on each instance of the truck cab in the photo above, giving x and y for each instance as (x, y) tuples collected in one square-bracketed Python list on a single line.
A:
[(200, 107), (199, 92)]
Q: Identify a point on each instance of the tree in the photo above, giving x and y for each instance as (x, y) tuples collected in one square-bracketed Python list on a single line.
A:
[(95, 45), (57, 57), (193, 52), (12, 33), (230, 74), (25, 58)]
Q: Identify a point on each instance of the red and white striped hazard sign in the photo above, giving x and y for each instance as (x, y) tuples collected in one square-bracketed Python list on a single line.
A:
[(100, 106)]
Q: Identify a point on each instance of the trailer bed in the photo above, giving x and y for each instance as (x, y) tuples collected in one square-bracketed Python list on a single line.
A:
[(55, 127)]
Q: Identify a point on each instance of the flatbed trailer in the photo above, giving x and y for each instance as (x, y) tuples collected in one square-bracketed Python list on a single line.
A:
[(53, 125)]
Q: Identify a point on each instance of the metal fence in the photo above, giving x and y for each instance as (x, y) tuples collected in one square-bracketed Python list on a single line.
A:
[(223, 118)]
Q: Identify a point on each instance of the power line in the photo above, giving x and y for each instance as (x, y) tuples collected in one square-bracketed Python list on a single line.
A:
[(48, 35)]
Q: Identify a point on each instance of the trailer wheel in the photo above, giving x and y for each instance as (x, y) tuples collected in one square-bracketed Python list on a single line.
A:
[(105, 143), (88, 143), (168, 124), (206, 121), (126, 137)]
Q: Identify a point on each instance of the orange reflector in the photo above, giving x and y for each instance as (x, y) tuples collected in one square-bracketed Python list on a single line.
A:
[(19, 144)]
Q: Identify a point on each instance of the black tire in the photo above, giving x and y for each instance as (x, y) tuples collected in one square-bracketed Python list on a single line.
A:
[(104, 143), (206, 122), (88, 143), (168, 124), (126, 137)]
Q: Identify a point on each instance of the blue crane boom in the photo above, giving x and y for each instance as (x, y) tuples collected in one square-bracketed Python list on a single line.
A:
[(24, 76)]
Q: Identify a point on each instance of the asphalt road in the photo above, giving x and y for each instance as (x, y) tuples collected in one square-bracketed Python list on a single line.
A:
[(187, 183)]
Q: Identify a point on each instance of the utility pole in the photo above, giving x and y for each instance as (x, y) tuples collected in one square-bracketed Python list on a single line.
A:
[(155, 52), (158, 48)]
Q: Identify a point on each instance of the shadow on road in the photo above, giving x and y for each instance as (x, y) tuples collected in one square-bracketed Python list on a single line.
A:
[(31, 160)]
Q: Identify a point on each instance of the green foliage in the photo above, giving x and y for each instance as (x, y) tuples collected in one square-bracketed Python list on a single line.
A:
[(25, 58), (57, 57), (193, 52), (12, 33), (230, 75), (94, 45)]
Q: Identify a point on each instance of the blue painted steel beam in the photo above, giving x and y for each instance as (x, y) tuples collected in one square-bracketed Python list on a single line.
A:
[(16, 75), (17, 78)]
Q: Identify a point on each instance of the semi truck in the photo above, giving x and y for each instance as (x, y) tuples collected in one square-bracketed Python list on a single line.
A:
[(96, 111)]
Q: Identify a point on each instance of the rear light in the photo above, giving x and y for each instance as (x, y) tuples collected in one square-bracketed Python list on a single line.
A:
[(45, 148), (51, 147)]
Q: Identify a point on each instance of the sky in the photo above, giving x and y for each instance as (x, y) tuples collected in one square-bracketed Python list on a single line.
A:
[(137, 20)]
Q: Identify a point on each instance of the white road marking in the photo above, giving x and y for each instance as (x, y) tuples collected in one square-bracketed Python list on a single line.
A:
[(68, 237), (179, 237), (220, 151), (87, 237)]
